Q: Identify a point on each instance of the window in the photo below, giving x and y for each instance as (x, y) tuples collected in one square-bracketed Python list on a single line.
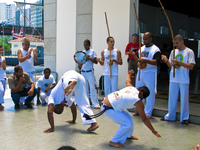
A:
[(196, 35), (142, 27), (164, 30), (182, 32)]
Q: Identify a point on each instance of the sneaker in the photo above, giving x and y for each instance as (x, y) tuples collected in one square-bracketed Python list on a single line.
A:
[(184, 122), (28, 105), (17, 106)]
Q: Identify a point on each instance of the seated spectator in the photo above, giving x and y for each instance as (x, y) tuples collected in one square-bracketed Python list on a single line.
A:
[(17, 83), (45, 84)]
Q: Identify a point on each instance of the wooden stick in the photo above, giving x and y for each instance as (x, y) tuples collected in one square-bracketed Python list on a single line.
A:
[(109, 43), (139, 37), (171, 33)]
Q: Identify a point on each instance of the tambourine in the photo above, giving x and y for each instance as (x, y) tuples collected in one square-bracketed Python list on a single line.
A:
[(80, 57), (142, 66)]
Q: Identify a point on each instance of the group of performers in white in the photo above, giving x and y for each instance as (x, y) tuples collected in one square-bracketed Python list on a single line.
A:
[(73, 88)]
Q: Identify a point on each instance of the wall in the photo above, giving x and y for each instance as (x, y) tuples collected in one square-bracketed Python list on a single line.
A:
[(65, 36), (50, 11), (118, 14)]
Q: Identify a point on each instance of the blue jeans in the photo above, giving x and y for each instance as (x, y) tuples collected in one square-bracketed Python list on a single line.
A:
[(16, 96)]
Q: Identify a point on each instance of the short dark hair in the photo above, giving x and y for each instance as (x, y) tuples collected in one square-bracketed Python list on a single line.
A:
[(108, 38), (179, 37), (47, 69), (58, 108), (87, 41), (145, 91), (66, 148), (17, 68), (135, 35)]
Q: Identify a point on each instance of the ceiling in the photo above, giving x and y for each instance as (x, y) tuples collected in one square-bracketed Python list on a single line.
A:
[(189, 8)]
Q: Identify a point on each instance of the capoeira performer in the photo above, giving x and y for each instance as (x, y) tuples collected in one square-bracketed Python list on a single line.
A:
[(87, 71), (184, 61), (151, 56), (2, 77), (45, 84), (115, 106), (71, 83), (26, 57), (110, 84)]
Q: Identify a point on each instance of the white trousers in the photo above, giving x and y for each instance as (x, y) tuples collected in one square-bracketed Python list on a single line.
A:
[(43, 95), (31, 74), (82, 101), (125, 120), (147, 79), (173, 98), (110, 84), (2, 90), (90, 79)]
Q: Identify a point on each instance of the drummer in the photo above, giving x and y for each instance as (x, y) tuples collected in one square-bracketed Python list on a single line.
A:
[(87, 70), (151, 56)]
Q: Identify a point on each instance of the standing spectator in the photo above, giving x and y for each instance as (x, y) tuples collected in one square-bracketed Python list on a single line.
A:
[(110, 83), (26, 57), (17, 83), (184, 61), (87, 71), (45, 84), (151, 56), (132, 64), (2, 77)]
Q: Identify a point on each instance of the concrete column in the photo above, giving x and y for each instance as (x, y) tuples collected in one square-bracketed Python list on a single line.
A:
[(50, 11)]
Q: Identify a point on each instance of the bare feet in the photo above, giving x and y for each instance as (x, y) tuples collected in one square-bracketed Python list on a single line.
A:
[(149, 117), (70, 87), (1, 107), (135, 113), (96, 107), (70, 121), (38, 102), (133, 137), (118, 145), (49, 130), (93, 127)]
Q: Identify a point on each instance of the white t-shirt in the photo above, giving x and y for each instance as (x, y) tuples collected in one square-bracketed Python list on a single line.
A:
[(89, 64), (2, 71), (57, 95), (182, 74), (28, 64), (148, 53), (44, 83), (106, 67), (124, 98)]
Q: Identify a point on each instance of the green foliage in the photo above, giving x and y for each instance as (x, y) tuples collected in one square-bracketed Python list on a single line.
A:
[(6, 44)]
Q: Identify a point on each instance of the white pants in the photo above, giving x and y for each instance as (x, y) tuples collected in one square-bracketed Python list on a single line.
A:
[(147, 79), (173, 98), (125, 119), (82, 101), (2, 90), (90, 79), (43, 95), (110, 84), (31, 74)]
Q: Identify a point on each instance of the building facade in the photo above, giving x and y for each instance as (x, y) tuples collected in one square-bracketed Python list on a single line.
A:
[(7, 12)]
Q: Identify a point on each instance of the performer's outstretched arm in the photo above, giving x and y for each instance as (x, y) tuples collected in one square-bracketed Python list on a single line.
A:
[(74, 114), (140, 108), (128, 78), (50, 118)]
